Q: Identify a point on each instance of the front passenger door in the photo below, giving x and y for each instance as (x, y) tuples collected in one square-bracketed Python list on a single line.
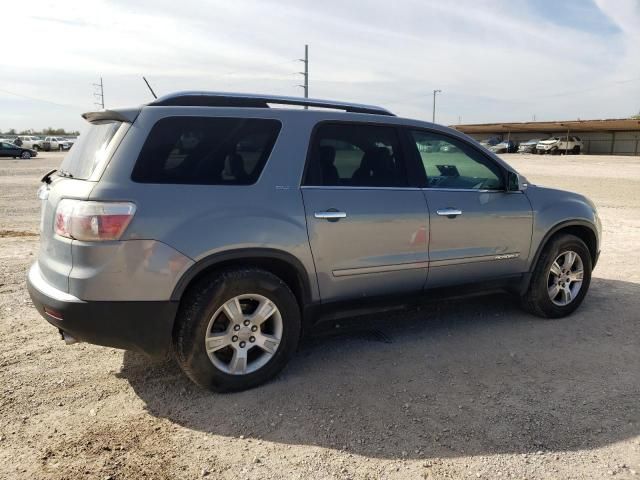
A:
[(479, 230)]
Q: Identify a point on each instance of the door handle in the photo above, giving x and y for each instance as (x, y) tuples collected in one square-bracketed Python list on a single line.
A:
[(331, 215), (449, 212)]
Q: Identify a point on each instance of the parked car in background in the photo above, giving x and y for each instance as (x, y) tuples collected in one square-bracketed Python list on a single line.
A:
[(490, 142), (529, 146), (506, 146), (448, 148), (14, 151), (427, 147), (560, 145), (29, 141), (325, 215), (55, 143)]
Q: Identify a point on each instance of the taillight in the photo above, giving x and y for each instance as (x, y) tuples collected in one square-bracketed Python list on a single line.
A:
[(92, 221)]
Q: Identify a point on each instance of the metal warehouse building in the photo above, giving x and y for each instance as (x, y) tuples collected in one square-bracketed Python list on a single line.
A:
[(605, 137)]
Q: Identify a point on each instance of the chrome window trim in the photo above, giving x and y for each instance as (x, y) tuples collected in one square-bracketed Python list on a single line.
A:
[(467, 190), (426, 189), (347, 187)]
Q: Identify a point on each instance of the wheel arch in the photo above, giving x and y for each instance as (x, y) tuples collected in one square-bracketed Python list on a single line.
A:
[(280, 263), (581, 229)]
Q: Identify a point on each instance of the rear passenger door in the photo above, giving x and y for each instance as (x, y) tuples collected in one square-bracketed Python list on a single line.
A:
[(367, 225), (479, 230)]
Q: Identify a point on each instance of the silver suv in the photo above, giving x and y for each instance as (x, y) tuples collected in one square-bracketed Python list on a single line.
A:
[(217, 228)]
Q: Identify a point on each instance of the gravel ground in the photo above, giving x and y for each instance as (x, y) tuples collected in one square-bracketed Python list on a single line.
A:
[(465, 389)]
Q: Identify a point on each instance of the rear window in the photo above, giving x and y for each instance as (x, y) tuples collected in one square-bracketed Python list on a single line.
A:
[(206, 151), (90, 149)]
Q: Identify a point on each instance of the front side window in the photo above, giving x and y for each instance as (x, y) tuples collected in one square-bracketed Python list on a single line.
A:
[(206, 151), (450, 163), (355, 155)]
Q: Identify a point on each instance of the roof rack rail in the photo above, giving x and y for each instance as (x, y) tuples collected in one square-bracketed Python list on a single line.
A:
[(225, 99)]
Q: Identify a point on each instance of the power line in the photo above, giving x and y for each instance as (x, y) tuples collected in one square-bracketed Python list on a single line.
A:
[(265, 65), (66, 105)]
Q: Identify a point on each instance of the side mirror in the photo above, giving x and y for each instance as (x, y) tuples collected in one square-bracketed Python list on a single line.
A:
[(516, 182)]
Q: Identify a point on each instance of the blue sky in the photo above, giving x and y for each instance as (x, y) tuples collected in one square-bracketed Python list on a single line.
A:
[(494, 60)]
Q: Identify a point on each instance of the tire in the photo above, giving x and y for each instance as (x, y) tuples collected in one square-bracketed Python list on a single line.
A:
[(203, 308), (537, 299), (36, 148), (25, 155), (576, 150)]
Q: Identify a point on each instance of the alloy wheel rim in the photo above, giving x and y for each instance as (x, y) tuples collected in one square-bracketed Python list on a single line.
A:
[(244, 334), (565, 278)]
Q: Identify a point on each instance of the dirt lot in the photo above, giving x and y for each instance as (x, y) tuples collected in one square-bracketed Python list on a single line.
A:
[(466, 389)]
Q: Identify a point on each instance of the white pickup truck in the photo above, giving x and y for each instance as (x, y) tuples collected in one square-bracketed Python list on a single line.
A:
[(28, 141), (559, 145), (55, 143)]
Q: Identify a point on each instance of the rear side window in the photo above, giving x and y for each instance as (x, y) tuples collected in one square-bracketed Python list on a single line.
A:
[(355, 155), (206, 151), (90, 149)]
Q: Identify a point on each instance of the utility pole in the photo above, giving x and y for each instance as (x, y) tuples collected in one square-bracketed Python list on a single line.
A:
[(434, 104), (305, 74), (99, 94)]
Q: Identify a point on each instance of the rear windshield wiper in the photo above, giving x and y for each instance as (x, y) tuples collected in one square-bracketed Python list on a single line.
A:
[(64, 173), (47, 178)]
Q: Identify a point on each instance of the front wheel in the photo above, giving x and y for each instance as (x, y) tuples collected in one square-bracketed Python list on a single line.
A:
[(25, 155), (236, 329), (560, 279)]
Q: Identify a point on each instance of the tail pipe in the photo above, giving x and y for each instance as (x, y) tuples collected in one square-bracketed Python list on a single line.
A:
[(68, 339)]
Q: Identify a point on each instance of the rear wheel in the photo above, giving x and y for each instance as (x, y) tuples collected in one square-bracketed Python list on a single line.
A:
[(236, 329), (561, 278)]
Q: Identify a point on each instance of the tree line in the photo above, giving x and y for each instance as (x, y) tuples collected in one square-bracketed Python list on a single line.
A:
[(45, 132)]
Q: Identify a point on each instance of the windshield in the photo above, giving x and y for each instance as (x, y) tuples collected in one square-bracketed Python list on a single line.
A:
[(89, 150)]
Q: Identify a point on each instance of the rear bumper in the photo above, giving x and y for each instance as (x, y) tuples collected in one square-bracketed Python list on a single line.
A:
[(141, 326)]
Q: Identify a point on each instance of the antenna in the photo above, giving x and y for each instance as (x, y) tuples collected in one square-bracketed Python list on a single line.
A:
[(151, 89)]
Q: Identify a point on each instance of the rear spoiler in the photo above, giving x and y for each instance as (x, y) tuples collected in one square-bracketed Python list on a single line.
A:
[(127, 115)]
